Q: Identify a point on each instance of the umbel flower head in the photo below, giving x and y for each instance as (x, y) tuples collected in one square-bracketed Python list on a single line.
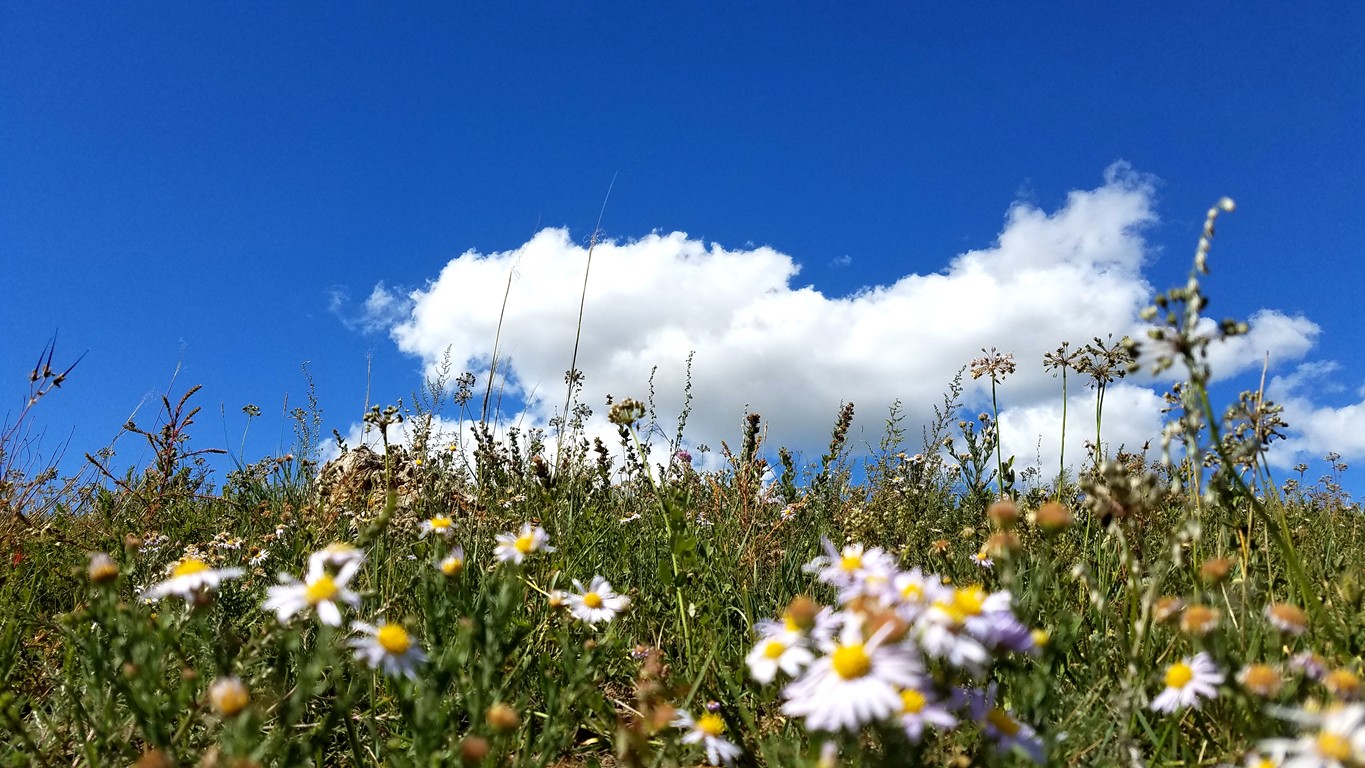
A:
[(320, 590), (191, 579)]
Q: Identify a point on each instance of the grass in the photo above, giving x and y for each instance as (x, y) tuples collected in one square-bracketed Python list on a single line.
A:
[(1104, 598)]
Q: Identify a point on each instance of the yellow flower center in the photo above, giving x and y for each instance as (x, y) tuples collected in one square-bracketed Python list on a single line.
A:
[(1002, 721), (711, 725), (592, 600), (851, 562), (1333, 746), (912, 701), (322, 589), (189, 566), (774, 649), (913, 592), (851, 661), (452, 566), (439, 523), (790, 623), (1179, 675), (525, 544), (229, 697), (968, 600), (394, 639)]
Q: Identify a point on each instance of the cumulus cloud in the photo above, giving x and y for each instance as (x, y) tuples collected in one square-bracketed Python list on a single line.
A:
[(1316, 428), (766, 343), (380, 311)]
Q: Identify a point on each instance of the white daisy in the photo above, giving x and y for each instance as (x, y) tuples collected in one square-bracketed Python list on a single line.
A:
[(707, 731), (1001, 726), (388, 648), (597, 602), (320, 591), (453, 563), (779, 648), (336, 555), (1187, 681), (920, 708), (190, 579), (440, 525), (1336, 741), (857, 682), (915, 592), (515, 547), (228, 696), (849, 568)]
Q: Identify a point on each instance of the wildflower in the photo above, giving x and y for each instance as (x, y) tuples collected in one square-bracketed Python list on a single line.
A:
[(440, 525), (848, 569), (1310, 664), (1053, 517), (228, 696), (918, 709), (1001, 726), (1337, 742), (1287, 618), (1003, 513), (388, 648), (558, 598), (1215, 570), (915, 592), (1188, 681), (453, 564), (473, 750), (102, 568), (336, 555), (1199, 620), (940, 546), (514, 548), (829, 755), (1342, 683), (1167, 608), (857, 682), (984, 560), (320, 591), (1260, 679), (502, 717), (597, 602), (1041, 637), (963, 623), (707, 731), (779, 648), (192, 580), (256, 556)]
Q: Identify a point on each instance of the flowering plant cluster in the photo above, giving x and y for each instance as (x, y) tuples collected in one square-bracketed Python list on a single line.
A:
[(903, 650)]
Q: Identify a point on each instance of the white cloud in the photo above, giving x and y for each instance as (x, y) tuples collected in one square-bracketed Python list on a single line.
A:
[(1272, 336), (1316, 429), (382, 309), (789, 352)]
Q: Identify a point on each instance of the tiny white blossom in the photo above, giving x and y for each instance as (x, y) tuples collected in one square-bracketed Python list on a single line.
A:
[(1187, 682), (192, 580), (320, 591), (597, 602), (388, 648), (514, 548), (707, 731)]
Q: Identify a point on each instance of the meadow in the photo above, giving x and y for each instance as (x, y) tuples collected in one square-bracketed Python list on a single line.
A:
[(539, 598)]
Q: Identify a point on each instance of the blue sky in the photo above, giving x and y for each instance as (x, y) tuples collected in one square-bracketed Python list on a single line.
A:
[(221, 188)]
